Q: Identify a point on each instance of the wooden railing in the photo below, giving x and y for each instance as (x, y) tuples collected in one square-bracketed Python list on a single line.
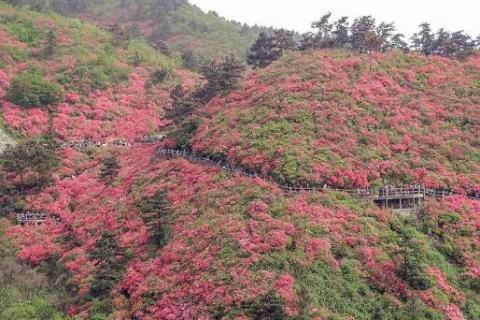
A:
[(385, 196), (31, 217), (384, 193)]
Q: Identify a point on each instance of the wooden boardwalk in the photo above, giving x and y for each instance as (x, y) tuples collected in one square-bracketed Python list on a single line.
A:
[(400, 198)]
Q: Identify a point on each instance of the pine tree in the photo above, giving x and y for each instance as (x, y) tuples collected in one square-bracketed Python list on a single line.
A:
[(323, 37), (109, 269), (110, 167), (221, 77), (363, 34), (412, 253), (31, 155), (154, 213), (50, 45), (423, 41), (341, 35), (267, 49)]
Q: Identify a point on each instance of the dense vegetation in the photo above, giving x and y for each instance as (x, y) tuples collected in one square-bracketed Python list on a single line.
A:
[(130, 235), (364, 35), (340, 119), (173, 25), (25, 293)]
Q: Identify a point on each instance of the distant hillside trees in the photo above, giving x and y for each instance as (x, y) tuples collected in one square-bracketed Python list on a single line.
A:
[(443, 43), (364, 35), (268, 48)]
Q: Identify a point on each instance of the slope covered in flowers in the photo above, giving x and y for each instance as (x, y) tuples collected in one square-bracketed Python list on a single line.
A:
[(107, 91), (141, 237), (337, 118), (238, 247)]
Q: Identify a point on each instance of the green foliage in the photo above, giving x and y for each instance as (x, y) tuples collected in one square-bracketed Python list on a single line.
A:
[(98, 73), (205, 34), (109, 269), (267, 49), (110, 167), (154, 213), (221, 77), (185, 132), (139, 49), (29, 89), (24, 293), (37, 309), (413, 255), (50, 45), (32, 155), (21, 28), (269, 306)]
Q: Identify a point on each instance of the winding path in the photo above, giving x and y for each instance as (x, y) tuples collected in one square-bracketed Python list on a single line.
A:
[(397, 198)]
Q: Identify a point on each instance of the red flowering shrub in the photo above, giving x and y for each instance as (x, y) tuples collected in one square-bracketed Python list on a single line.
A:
[(336, 122)]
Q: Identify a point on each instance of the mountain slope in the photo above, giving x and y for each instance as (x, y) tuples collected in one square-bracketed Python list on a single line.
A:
[(130, 234), (333, 117), (182, 26)]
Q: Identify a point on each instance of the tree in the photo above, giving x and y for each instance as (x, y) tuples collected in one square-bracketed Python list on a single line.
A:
[(137, 59), (363, 34), (110, 167), (323, 37), (31, 156), (120, 35), (29, 89), (157, 76), (423, 41), (307, 42), (412, 252), (177, 93), (341, 36), (443, 43), (154, 213), (50, 45), (385, 32), (221, 77), (189, 60), (398, 42), (108, 266), (267, 49)]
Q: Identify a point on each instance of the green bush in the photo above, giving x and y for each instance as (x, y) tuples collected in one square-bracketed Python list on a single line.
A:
[(38, 309), (29, 89)]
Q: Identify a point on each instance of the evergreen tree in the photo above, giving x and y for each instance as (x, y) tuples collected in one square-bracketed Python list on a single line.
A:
[(341, 35), (385, 32), (189, 60), (398, 42), (307, 42), (108, 266), (110, 167), (177, 93), (221, 77), (423, 41), (120, 35), (154, 213), (50, 44), (32, 155), (363, 34), (323, 37), (412, 253), (267, 49)]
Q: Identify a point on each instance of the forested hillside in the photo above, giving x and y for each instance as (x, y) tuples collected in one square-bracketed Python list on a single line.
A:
[(172, 25), (96, 222)]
